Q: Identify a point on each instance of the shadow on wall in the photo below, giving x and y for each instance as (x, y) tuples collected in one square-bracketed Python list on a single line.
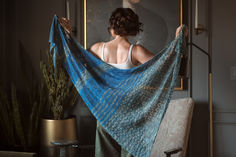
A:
[(199, 130), (26, 66)]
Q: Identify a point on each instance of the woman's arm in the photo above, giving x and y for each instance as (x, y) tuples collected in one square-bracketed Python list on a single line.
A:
[(65, 23), (141, 55), (178, 30)]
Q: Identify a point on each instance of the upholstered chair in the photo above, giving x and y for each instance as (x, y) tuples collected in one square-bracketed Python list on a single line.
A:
[(172, 136)]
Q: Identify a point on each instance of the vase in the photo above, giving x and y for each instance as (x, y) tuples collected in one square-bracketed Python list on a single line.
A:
[(56, 130)]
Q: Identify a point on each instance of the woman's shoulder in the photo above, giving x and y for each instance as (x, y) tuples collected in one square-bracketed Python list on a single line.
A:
[(139, 49), (141, 54), (96, 46)]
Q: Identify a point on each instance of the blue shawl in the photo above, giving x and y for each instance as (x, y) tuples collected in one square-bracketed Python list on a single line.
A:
[(130, 103)]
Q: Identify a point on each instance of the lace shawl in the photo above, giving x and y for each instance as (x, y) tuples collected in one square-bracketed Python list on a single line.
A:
[(128, 103)]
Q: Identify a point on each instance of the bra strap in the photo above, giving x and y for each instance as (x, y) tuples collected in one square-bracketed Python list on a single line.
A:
[(130, 53), (103, 46)]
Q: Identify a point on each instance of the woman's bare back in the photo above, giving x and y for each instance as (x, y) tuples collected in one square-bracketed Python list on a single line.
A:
[(116, 52)]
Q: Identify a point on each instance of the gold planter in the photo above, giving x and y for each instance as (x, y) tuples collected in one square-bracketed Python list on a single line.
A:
[(57, 130)]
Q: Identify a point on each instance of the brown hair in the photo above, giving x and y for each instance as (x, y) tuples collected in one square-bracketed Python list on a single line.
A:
[(124, 22)]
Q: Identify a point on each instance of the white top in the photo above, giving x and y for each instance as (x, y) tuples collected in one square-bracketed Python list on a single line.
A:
[(127, 65)]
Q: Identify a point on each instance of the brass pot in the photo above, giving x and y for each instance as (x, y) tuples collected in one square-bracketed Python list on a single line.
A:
[(57, 130)]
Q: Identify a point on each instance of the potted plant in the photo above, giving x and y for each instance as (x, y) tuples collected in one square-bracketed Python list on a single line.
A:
[(21, 110), (61, 94)]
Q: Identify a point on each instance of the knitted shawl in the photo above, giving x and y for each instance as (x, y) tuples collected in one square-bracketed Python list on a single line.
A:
[(128, 103)]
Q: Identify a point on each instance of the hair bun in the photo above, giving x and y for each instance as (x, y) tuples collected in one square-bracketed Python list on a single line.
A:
[(125, 22)]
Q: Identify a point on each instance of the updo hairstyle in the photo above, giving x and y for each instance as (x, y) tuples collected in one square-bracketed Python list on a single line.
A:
[(124, 22)]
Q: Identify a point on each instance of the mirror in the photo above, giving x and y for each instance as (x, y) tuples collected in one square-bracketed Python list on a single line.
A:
[(160, 19)]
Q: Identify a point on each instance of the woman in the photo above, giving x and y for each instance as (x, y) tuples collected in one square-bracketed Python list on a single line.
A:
[(121, 54)]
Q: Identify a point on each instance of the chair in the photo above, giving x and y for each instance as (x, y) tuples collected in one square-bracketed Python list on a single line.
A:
[(17, 154), (172, 137)]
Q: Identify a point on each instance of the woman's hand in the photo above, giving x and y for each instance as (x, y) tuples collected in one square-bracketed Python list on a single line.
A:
[(178, 30), (65, 23)]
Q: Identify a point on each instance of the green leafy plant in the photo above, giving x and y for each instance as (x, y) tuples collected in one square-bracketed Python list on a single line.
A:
[(61, 92), (20, 127), (6, 118), (21, 111)]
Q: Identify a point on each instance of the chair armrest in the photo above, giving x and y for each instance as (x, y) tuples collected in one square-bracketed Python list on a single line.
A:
[(172, 151)]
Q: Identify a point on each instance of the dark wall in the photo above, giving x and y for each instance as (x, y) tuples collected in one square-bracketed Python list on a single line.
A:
[(223, 32), (28, 22), (224, 72), (26, 26)]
